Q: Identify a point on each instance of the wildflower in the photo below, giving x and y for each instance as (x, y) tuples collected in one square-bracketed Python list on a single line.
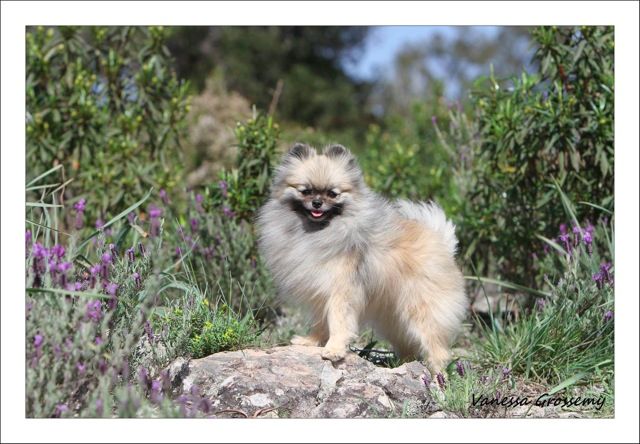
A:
[(143, 376), (104, 269), (81, 368), (563, 228), (131, 254), (63, 268), (608, 316), (98, 340), (199, 199), (149, 331), (99, 224), (38, 339), (102, 366), (79, 207), (540, 304), (58, 251), (111, 288), (576, 235), (178, 251), (223, 188), (94, 310), (93, 270), (589, 228), (194, 224), (587, 239), (506, 372), (163, 196), (564, 238), (460, 368), (228, 212), (434, 120), (136, 279), (141, 248), (154, 214), (60, 410), (77, 286), (441, 381), (604, 268), (425, 379), (156, 391)]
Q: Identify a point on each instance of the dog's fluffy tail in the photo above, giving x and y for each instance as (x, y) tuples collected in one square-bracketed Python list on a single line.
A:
[(431, 215)]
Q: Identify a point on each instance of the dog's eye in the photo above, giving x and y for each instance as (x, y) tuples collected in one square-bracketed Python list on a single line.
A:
[(306, 192), (332, 194)]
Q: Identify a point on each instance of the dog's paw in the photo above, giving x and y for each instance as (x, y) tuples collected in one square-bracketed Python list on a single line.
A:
[(333, 354), (308, 341)]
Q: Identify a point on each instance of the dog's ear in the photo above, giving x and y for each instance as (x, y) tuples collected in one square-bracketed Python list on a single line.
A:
[(336, 151), (301, 151)]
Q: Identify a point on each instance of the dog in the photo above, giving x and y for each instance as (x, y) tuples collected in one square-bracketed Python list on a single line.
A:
[(350, 257)]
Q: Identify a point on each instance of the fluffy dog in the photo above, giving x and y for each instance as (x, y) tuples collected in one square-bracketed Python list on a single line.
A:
[(350, 257)]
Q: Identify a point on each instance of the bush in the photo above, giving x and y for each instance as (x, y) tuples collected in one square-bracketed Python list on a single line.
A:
[(556, 124), (104, 103)]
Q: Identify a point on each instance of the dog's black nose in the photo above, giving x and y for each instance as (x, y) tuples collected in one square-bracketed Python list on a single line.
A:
[(317, 203)]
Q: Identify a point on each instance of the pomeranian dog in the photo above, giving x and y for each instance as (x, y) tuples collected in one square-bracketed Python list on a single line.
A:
[(349, 257)]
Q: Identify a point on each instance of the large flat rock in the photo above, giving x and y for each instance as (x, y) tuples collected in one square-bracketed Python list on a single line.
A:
[(297, 383)]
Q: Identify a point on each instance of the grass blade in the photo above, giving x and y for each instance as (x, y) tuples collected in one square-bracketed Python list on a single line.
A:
[(510, 285)]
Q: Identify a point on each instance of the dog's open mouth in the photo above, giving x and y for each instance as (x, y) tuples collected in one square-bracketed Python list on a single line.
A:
[(316, 214)]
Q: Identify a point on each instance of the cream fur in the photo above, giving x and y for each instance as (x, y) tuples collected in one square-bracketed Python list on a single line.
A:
[(389, 265)]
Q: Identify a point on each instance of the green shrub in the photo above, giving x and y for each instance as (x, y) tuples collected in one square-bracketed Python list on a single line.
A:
[(569, 333), (104, 103), (555, 124)]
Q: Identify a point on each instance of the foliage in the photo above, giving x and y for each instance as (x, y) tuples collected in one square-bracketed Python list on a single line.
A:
[(554, 124), (104, 103), (316, 90), (96, 342), (570, 332)]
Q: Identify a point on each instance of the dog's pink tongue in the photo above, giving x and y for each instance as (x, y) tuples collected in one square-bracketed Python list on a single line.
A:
[(317, 213)]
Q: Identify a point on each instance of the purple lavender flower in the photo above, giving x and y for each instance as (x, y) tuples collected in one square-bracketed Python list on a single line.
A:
[(77, 286), (102, 366), (94, 310), (178, 251), (460, 368), (131, 254), (111, 288), (608, 316), (587, 239), (223, 188), (426, 380), (563, 228), (154, 214), (506, 372), (441, 381), (99, 224), (58, 251), (136, 279), (434, 120), (156, 391), (149, 331), (38, 339), (194, 224), (163, 196), (81, 368), (540, 304), (228, 212), (143, 376), (141, 248), (79, 207), (576, 235), (60, 410), (605, 267), (564, 238), (98, 340), (199, 198)]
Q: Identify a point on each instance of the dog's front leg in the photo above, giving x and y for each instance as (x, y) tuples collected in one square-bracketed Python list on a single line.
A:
[(344, 310)]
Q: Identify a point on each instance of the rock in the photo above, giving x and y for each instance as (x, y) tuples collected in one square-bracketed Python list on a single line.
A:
[(294, 381)]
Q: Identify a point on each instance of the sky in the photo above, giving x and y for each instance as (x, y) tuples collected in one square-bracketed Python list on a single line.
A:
[(384, 42)]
